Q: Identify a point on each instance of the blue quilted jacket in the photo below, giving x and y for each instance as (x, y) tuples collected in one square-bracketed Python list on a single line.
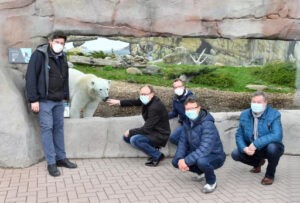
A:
[(269, 129), (200, 138)]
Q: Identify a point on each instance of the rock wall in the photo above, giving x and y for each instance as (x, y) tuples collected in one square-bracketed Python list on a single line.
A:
[(236, 52), (26, 23)]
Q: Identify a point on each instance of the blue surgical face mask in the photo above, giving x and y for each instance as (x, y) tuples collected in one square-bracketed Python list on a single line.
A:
[(191, 114), (144, 99), (257, 108)]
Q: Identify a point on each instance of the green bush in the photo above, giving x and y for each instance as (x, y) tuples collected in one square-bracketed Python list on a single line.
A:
[(69, 53), (98, 54), (174, 71), (101, 54), (219, 80), (280, 73)]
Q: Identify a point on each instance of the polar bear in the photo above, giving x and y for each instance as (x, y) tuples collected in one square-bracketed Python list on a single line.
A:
[(86, 91)]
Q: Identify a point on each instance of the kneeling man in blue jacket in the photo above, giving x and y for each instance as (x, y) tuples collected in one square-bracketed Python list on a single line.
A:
[(200, 149), (259, 137)]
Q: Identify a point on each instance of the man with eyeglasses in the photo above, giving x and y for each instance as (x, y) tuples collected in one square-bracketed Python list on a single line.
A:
[(199, 149), (156, 129), (47, 85), (181, 94)]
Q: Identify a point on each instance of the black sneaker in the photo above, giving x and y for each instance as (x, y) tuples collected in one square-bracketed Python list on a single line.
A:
[(66, 163), (149, 160), (155, 163), (53, 171)]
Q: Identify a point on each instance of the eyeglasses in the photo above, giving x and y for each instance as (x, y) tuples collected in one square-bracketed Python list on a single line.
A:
[(191, 108), (145, 94)]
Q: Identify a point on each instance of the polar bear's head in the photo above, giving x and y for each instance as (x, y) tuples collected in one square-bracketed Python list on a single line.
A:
[(99, 88)]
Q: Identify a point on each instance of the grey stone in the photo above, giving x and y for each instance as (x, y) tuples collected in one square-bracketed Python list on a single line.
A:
[(20, 142), (134, 71), (93, 61), (256, 87), (99, 137), (151, 70)]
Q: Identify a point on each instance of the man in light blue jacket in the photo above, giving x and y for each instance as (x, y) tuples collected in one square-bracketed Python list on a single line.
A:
[(259, 137)]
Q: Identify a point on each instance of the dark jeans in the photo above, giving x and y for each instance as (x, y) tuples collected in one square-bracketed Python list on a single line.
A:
[(174, 137), (206, 165), (51, 118), (272, 152), (144, 144)]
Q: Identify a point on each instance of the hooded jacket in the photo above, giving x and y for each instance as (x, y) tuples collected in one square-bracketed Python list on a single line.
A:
[(155, 115), (200, 138), (38, 75)]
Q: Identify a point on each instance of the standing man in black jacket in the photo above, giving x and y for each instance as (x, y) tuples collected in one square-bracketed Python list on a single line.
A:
[(47, 86), (156, 129)]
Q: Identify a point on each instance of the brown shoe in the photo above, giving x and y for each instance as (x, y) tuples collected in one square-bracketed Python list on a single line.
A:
[(258, 168), (267, 181)]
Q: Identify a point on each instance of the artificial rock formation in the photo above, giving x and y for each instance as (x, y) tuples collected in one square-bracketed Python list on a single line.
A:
[(26, 23)]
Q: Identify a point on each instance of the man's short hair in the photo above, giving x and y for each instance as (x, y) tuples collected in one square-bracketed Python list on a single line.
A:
[(192, 99), (58, 35), (150, 87), (260, 93), (178, 80)]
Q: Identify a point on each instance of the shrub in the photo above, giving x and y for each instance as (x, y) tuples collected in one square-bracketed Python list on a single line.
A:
[(174, 71), (280, 73), (98, 54), (220, 80), (69, 53)]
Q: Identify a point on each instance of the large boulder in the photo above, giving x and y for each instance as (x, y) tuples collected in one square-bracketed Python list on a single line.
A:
[(20, 142), (102, 140)]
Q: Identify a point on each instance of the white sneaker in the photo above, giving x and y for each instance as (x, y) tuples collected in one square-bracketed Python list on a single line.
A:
[(209, 188), (198, 178)]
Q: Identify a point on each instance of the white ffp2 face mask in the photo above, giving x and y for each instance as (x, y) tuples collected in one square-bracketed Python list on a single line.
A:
[(179, 91), (57, 48)]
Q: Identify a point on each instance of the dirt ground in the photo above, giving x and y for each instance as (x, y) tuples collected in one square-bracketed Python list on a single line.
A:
[(212, 100)]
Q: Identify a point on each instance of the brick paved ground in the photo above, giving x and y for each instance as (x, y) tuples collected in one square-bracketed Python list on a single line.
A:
[(128, 180)]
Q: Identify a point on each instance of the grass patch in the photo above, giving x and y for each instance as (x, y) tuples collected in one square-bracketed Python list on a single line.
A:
[(111, 73), (220, 78)]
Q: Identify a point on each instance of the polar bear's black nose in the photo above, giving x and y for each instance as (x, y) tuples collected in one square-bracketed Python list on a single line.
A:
[(105, 99)]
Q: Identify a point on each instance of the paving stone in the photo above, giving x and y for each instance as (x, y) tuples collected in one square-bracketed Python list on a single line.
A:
[(129, 180)]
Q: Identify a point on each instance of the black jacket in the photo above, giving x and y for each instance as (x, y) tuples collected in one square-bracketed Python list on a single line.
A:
[(155, 115), (43, 68)]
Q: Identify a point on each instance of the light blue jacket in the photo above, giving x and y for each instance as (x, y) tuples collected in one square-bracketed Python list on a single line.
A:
[(269, 129)]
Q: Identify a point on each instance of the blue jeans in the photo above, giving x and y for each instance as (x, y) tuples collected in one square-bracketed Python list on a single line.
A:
[(206, 165), (272, 152), (174, 137), (51, 118), (144, 144)]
